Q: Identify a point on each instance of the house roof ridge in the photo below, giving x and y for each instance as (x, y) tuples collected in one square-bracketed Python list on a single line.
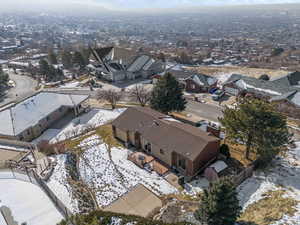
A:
[(180, 127), (12, 121)]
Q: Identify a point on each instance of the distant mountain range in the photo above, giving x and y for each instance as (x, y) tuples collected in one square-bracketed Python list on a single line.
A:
[(91, 7)]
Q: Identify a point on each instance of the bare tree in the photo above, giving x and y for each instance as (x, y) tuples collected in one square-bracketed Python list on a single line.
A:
[(141, 94), (111, 96)]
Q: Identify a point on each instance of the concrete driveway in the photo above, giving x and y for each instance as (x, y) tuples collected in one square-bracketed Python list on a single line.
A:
[(205, 111)]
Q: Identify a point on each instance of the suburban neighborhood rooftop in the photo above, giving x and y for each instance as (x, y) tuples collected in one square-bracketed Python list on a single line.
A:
[(164, 131), (30, 111)]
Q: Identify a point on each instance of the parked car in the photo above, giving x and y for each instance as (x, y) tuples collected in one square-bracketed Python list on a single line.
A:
[(218, 95), (213, 90)]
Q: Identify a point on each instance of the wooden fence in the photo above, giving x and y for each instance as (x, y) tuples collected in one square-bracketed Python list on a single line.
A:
[(243, 175)]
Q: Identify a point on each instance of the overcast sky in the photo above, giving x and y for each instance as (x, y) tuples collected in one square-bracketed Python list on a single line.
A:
[(133, 4)]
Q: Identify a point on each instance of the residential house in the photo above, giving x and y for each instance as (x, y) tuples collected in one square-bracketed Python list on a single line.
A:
[(198, 83), (27, 119), (288, 103), (180, 146), (291, 79), (283, 90), (239, 85), (191, 81), (117, 64)]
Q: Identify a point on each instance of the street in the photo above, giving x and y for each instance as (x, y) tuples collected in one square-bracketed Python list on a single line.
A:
[(24, 87), (205, 111)]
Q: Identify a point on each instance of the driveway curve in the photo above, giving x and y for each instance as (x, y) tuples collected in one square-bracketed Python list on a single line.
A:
[(24, 87)]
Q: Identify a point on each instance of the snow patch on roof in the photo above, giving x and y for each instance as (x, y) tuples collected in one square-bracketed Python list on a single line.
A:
[(243, 85)]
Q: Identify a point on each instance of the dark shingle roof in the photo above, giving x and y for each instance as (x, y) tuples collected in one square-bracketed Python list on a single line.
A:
[(164, 132), (291, 79), (266, 88), (103, 52), (180, 74), (203, 80)]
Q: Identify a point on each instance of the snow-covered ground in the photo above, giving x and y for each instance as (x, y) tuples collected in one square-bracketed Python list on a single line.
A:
[(95, 117), (28, 203), (222, 77), (59, 185), (113, 177), (284, 173), (70, 85), (196, 186)]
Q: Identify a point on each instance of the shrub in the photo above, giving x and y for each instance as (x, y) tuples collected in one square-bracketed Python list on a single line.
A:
[(224, 149), (45, 147), (264, 77), (105, 218)]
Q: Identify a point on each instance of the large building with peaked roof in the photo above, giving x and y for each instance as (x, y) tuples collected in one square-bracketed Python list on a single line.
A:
[(27, 119), (117, 64)]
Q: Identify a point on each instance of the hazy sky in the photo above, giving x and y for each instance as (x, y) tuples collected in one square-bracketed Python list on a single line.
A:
[(131, 4), (183, 3)]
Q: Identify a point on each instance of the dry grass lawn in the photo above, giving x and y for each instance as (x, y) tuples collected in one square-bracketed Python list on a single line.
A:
[(237, 152), (103, 131), (72, 144), (252, 72), (106, 134), (270, 209)]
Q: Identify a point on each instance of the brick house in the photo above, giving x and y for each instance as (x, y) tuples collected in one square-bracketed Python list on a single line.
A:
[(180, 146)]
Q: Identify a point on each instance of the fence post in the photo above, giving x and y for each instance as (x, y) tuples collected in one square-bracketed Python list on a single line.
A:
[(12, 171), (28, 174)]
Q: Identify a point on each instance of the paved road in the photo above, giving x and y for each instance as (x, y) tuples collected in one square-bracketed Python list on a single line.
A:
[(24, 87), (206, 111)]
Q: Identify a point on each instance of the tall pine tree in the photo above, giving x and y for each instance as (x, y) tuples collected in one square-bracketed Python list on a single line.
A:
[(66, 59), (52, 57), (44, 67), (3, 77), (167, 95), (219, 204), (258, 125), (78, 59)]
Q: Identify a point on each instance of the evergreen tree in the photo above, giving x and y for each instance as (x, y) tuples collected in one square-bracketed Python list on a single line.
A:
[(224, 149), (162, 57), (52, 57), (258, 125), (184, 58), (44, 67), (78, 59), (167, 95), (264, 77), (219, 204), (66, 59), (4, 78), (86, 52)]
